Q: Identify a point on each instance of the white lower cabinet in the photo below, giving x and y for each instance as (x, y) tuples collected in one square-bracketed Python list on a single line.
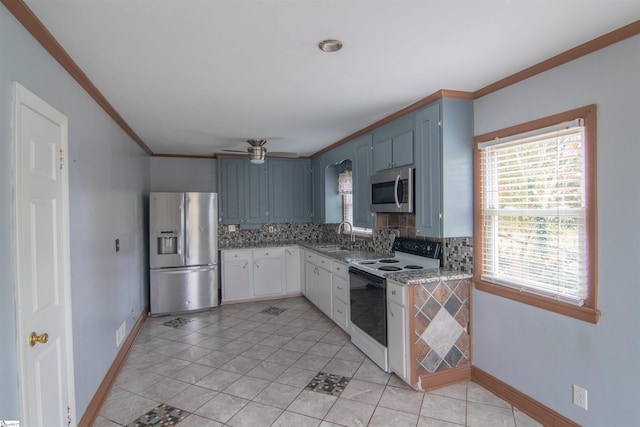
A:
[(340, 289), (252, 274), (236, 275), (268, 271), (397, 321), (293, 266), (317, 275)]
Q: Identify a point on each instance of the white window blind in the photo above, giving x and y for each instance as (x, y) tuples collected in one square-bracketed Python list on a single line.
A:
[(533, 212)]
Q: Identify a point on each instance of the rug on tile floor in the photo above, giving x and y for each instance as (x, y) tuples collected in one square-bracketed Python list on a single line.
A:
[(328, 384), (162, 415), (177, 322), (273, 310)]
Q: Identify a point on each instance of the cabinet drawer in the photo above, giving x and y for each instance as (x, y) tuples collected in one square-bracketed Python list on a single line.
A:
[(339, 269), (324, 262), (235, 255), (268, 253), (312, 257), (396, 293), (340, 315), (340, 288)]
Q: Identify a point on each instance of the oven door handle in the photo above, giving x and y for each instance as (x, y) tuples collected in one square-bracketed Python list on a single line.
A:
[(395, 191)]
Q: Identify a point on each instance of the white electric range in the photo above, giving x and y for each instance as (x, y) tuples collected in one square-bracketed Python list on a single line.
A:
[(368, 295)]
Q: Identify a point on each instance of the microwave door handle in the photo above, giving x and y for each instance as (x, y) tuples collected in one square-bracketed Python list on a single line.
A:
[(395, 192)]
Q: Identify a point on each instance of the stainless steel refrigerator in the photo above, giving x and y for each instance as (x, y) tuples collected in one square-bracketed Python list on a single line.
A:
[(183, 252)]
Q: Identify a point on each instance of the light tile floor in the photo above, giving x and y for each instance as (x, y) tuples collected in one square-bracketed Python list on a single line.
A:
[(236, 366)]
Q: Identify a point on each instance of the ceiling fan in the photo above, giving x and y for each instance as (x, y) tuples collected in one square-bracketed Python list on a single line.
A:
[(257, 151)]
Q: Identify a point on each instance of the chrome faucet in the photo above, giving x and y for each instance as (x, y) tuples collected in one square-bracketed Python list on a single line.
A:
[(341, 228)]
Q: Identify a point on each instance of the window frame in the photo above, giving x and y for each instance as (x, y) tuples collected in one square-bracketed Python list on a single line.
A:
[(589, 311)]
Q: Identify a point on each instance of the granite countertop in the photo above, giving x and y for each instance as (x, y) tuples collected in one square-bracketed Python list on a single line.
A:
[(427, 276), (346, 255)]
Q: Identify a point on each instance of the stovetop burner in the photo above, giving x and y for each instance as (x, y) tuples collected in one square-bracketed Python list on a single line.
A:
[(409, 255), (389, 268)]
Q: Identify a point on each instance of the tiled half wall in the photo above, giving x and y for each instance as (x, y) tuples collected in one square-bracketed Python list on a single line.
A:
[(441, 335)]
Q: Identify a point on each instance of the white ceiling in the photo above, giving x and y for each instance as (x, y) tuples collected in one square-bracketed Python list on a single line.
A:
[(195, 76)]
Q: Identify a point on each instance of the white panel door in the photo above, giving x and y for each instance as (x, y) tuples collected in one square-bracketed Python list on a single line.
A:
[(42, 263)]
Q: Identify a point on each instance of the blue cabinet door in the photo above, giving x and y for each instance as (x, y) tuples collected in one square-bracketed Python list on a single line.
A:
[(317, 190), (362, 169), (393, 144), (279, 190), (231, 186), (289, 195), (402, 154), (301, 194), (382, 153), (427, 173), (444, 169), (256, 194)]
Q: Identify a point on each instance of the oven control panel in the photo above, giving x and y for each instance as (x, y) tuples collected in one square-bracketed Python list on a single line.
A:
[(423, 248)]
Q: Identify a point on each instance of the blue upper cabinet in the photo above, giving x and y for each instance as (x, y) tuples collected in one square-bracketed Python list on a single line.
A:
[(275, 191), (393, 144), (444, 169), (289, 191), (231, 181), (317, 190), (256, 199), (362, 168)]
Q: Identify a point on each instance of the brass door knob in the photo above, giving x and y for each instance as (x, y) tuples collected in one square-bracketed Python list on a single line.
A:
[(35, 338)]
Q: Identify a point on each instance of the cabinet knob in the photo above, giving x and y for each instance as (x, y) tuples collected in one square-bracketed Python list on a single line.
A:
[(393, 292)]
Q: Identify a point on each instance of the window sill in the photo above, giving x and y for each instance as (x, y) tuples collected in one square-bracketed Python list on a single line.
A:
[(586, 314)]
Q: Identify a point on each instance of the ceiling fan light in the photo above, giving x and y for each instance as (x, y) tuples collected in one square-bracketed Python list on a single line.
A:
[(257, 154)]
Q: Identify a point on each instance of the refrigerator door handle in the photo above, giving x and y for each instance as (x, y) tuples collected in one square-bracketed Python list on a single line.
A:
[(186, 227)]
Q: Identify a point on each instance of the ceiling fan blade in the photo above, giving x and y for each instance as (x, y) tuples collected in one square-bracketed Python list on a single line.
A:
[(234, 151), (283, 154)]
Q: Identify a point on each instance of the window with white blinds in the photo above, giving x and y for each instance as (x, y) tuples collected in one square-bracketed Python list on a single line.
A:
[(533, 212)]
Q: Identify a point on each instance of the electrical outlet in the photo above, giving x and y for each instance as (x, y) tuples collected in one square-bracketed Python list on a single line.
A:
[(120, 333), (231, 228), (271, 229), (580, 397)]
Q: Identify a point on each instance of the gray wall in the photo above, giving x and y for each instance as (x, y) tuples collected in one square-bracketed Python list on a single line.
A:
[(541, 353), (184, 174), (108, 183)]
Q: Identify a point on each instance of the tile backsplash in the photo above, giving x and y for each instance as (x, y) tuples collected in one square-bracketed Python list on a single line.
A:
[(457, 253)]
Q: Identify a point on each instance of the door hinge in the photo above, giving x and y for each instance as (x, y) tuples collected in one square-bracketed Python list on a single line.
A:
[(440, 215), (61, 159), (440, 123)]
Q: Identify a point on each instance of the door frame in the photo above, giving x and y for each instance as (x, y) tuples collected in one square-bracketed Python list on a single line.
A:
[(22, 96)]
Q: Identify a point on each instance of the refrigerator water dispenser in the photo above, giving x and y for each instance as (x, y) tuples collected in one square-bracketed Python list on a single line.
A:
[(167, 245)]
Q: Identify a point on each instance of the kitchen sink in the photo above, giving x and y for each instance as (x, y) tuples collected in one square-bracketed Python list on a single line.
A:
[(333, 248)]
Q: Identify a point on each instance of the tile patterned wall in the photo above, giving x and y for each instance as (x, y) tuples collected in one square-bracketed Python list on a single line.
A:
[(441, 336), (457, 253), (381, 241)]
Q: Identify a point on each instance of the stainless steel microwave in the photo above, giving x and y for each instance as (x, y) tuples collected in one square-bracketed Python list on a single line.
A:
[(392, 191)]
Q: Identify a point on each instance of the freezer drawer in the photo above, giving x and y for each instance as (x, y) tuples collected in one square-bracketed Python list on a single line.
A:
[(179, 290)]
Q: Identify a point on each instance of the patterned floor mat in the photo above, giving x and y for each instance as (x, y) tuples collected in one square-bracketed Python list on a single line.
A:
[(163, 415), (177, 322), (328, 384), (273, 310)]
